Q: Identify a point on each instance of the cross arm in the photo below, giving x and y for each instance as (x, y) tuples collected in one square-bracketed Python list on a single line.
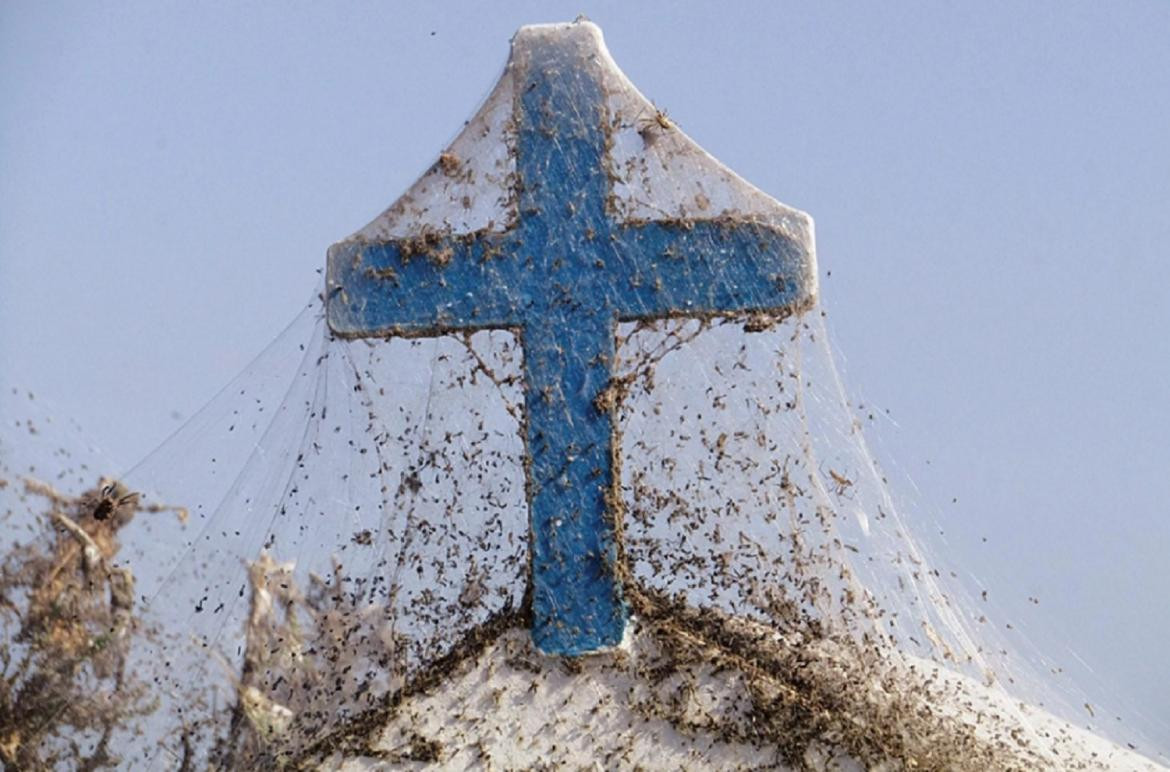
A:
[(421, 287), (712, 267)]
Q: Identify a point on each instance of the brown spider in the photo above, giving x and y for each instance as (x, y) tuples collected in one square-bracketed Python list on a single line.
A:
[(112, 496), (649, 129), (843, 483)]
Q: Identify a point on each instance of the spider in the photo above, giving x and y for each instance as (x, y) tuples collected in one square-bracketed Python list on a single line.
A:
[(449, 163), (843, 483), (112, 496), (650, 128)]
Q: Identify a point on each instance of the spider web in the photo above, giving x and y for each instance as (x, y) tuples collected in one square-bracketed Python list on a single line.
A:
[(357, 535), (330, 562)]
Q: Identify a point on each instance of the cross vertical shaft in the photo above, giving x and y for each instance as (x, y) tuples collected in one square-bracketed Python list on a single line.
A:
[(568, 352)]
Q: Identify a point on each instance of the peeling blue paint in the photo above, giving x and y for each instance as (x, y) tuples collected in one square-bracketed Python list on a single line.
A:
[(563, 276)]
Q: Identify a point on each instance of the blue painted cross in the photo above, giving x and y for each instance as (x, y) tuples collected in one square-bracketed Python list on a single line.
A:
[(562, 277)]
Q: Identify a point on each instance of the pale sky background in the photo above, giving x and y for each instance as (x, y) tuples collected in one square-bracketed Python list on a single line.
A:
[(990, 183)]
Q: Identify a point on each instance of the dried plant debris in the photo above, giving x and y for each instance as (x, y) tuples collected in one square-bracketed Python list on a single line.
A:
[(68, 618), (312, 660)]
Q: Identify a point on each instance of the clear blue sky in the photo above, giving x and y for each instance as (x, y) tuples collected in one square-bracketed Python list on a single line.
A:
[(990, 182)]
